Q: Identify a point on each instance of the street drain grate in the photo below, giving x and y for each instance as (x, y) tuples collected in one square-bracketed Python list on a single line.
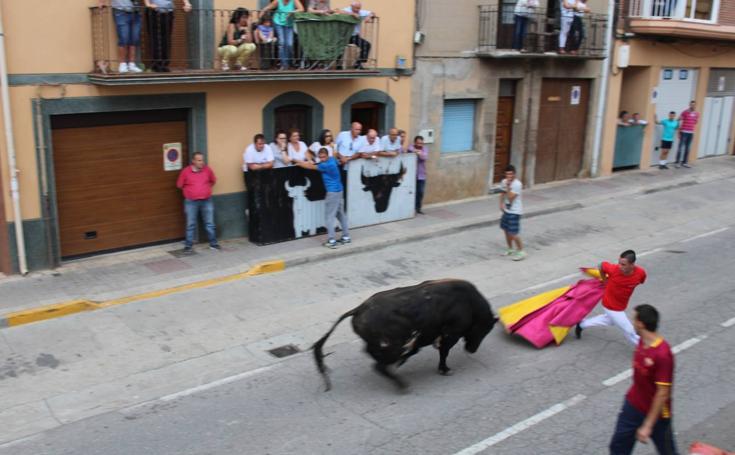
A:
[(284, 351)]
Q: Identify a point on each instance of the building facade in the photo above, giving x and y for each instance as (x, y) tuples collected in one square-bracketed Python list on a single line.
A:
[(91, 144), (486, 105), (666, 54)]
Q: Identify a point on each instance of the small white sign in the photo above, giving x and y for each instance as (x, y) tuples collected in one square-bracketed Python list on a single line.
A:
[(172, 156), (576, 94), (721, 84), (654, 95)]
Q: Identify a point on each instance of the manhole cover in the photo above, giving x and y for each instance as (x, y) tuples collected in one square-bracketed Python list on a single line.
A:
[(284, 351)]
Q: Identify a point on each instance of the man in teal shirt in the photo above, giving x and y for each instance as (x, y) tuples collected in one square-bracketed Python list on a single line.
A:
[(670, 125)]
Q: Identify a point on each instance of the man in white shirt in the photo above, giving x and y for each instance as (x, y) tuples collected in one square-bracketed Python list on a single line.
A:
[(349, 144), (371, 146), (257, 156), (512, 208), (355, 10), (391, 143)]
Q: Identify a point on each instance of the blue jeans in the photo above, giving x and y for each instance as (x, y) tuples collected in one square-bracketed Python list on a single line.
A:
[(629, 420), (192, 210), (685, 142), (128, 27), (420, 187), (285, 44), (519, 31)]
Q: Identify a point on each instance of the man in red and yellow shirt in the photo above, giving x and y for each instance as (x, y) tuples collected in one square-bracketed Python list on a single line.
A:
[(646, 412), (620, 281)]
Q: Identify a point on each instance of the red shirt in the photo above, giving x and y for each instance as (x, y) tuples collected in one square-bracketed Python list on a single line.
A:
[(196, 185), (620, 287), (652, 366), (689, 121)]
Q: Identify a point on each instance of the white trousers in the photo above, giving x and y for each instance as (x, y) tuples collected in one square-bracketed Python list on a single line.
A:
[(616, 318), (566, 24)]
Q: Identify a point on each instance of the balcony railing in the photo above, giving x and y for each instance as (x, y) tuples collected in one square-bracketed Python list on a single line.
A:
[(322, 47), (497, 24), (672, 9)]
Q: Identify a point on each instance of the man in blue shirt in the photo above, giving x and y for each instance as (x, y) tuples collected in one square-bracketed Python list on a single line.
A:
[(670, 125), (334, 201)]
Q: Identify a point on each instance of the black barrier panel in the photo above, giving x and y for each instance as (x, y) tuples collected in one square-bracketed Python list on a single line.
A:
[(284, 204)]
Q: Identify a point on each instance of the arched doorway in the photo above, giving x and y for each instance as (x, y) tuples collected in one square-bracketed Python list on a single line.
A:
[(369, 114), (373, 108), (294, 116), (294, 110)]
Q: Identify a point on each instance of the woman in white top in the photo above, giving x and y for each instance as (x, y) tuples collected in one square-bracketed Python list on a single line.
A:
[(280, 149), (326, 140), (296, 148), (567, 16), (576, 32)]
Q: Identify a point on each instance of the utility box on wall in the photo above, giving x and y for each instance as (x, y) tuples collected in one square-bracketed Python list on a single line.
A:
[(428, 135)]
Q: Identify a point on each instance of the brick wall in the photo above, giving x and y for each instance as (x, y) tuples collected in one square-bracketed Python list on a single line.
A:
[(727, 12)]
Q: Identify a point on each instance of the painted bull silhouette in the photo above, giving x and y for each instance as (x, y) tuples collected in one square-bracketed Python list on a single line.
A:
[(395, 324), (308, 215), (381, 186)]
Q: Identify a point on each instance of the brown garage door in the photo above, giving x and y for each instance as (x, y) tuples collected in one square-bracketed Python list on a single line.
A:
[(503, 136), (562, 128), (111, 189)]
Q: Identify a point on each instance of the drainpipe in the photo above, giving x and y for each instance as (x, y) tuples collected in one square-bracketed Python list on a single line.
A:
[(10, 146), (602, 89)]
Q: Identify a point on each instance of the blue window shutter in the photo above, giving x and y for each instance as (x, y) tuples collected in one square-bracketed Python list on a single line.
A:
[(458, 125)]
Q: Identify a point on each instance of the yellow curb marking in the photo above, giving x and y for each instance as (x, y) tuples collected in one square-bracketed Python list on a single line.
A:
[(58, 310)]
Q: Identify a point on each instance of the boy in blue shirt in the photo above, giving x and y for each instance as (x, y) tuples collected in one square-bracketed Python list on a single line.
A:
[(334, 201), (670, 125)]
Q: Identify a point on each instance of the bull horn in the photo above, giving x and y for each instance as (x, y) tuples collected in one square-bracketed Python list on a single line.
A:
[(308, 184), (288, 187)]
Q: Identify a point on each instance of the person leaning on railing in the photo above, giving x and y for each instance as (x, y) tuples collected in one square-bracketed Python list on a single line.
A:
[(283, 18), (160, 22), (236, 45), (523, 12), (355, 10), (266, 38), (319, 7), (576, 32), (126, 14)]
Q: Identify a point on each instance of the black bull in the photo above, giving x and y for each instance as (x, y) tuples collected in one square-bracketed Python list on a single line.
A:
[(382, 186), (395, 324)]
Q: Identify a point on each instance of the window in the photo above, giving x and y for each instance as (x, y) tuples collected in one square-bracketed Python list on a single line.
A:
[(458, 126)]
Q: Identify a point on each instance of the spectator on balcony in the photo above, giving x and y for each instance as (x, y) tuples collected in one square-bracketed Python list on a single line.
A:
[(266, 38), (370, 147), (637, 120), (624, 118), (297, 149), (355, 10), (349, 143), (319, 7), (279, 146), (576, 31), (160, 22), (391, 143), (258, 155), (523, 13), (567, 17), (326, 141), (422, 154), (236, 45), (283, 18), (126, 14)]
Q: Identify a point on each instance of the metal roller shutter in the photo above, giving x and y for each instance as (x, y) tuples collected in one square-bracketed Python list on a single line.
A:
[(458, 126)]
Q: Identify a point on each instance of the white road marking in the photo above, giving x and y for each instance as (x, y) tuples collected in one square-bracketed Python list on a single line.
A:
[(521, 426), (546, 283), (706, 234), (646, 253), (728, 323), (19, 441), (676, 349)]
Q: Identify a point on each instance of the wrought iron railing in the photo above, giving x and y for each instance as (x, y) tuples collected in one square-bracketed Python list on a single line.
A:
[(497, 28), (195, 37)]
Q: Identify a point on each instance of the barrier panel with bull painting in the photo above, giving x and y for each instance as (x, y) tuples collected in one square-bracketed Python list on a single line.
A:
[(288, 203)]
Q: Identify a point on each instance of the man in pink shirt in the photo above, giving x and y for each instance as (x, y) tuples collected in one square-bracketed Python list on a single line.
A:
[(196, 182), (687, 124)]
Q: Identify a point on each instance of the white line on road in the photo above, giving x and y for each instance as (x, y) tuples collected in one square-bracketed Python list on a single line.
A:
[(646, 253), (546, 283), (728, 323), (676, 349), (706, 234), (521, 426)]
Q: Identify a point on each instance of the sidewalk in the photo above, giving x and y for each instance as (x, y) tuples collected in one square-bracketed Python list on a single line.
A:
[(120, 275)]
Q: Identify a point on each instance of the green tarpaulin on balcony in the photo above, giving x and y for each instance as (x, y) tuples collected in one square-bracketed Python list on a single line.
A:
[(323, 38)]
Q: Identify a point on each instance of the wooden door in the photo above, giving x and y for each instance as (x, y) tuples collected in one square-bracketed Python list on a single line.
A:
[(562, 129), (369, 115), (112, 191), (295, 116), (503, 136)]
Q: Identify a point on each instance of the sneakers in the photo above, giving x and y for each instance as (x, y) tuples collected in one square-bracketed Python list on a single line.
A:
[(578, 331), (133, 68), (508, 252), (519, 255), (123, 68), (331, 244), (188, 250), (225, 65), (685, 165), (215, 247), (344, 240)]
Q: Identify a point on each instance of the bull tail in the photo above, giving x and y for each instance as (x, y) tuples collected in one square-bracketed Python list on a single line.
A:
[(319, 354)]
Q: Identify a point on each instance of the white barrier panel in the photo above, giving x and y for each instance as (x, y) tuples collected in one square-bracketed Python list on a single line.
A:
[(381, 190)]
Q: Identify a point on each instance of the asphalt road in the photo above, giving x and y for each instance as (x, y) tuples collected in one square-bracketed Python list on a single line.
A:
[(508, 398)]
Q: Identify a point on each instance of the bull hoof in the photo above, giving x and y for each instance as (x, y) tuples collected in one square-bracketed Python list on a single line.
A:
[(447, 372)]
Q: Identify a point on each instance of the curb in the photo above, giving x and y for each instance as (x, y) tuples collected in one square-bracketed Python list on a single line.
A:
[(58, 310)]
